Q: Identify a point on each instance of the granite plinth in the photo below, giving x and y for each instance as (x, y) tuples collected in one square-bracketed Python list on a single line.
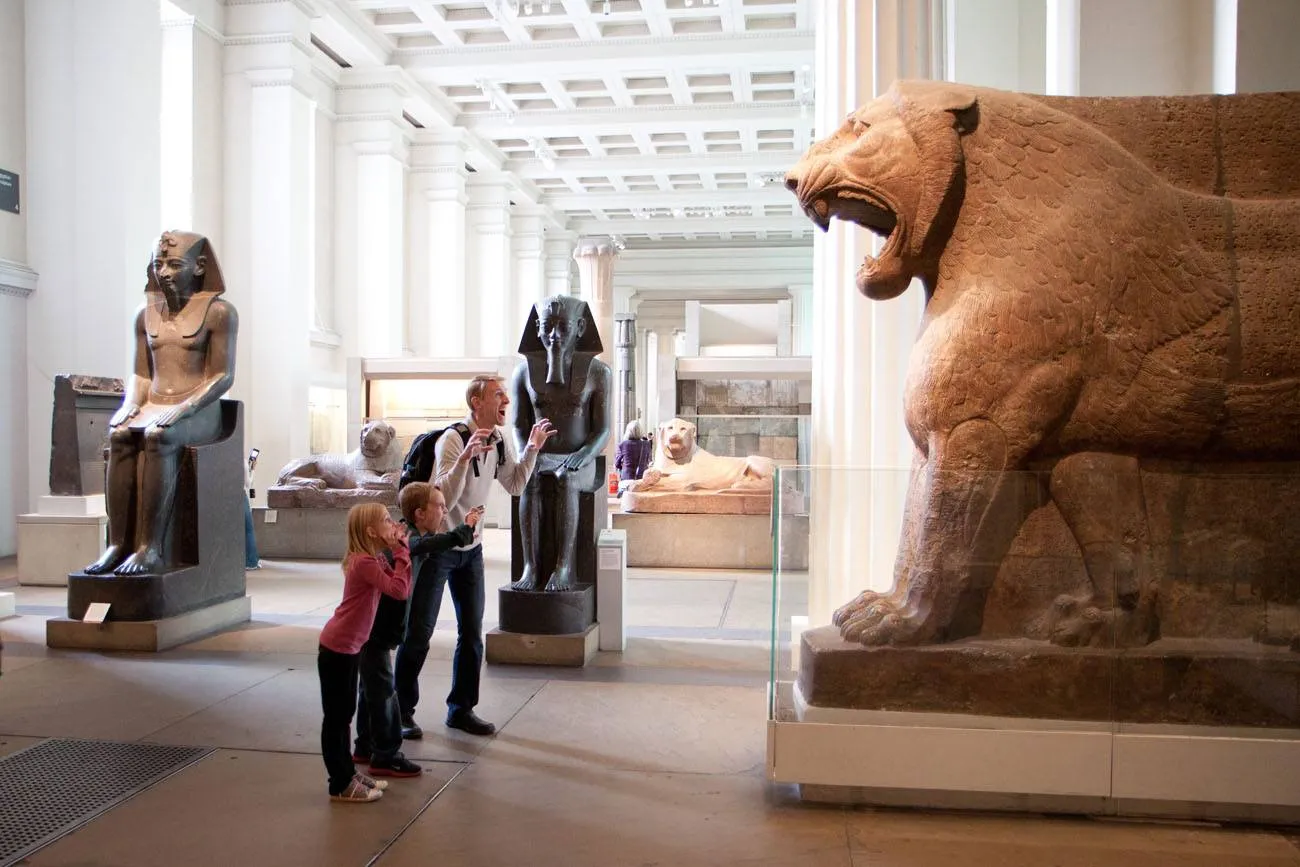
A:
[(546, 612), (1205, 682), (303, 534), (676, 541), (514, 648), (149, 636), (328, 498), (206, 535), (702, 503)]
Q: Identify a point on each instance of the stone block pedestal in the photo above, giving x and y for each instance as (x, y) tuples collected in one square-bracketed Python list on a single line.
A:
[(515, 648), (303, 534), (149, 636), (8, 606), (662, 540), (62, 536)]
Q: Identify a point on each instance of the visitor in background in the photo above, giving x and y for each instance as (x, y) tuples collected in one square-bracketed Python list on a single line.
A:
[(367, 574), (251, 559), (634, 453)]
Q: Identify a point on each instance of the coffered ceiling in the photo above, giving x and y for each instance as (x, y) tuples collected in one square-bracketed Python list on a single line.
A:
[(668, 121)]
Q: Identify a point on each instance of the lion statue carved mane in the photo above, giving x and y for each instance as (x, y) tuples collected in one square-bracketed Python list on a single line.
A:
[(1083, 314)]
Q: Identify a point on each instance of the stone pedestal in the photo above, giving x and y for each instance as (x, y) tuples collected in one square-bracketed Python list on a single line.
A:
[(303, 534), (672, 541), (1183, 681), (514, 648), (148, 636), (8, 605), (542, 612), (62, 536)]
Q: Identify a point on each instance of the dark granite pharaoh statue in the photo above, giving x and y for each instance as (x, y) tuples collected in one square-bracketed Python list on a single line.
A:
[(561, 379), (184, 362)]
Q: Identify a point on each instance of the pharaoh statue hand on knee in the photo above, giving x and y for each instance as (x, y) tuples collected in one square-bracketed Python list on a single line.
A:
[(184, 362), (561, 380)]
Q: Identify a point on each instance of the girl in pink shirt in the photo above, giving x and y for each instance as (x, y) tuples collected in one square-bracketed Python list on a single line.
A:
[(372, 534)]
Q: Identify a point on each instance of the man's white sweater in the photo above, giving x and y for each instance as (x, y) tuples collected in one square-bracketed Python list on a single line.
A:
[(463, 490)]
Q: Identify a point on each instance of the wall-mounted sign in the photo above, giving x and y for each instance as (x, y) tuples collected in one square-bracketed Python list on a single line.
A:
[(8, 191)]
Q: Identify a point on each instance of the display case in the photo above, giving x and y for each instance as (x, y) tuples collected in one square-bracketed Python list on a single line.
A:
[(1136, 657)]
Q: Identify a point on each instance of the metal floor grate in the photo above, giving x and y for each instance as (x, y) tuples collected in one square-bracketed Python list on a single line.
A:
[(54, 787)]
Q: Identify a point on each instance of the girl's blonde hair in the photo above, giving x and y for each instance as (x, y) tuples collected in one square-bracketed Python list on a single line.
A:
[(361, 518)]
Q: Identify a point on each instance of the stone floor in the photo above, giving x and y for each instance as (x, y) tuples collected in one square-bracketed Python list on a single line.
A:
[(654, 756)]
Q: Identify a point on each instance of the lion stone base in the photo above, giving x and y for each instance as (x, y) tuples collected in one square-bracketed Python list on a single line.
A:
[(1182, 681), (711, 503), (329, 498)]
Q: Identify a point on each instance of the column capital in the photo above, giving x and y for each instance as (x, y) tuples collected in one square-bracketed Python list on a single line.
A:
[(605, 246)]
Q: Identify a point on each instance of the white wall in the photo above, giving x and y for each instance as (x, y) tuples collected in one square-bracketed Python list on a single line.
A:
[(997, 43), (13, 260), (1147, 48), (1268, 35), (93, 87)]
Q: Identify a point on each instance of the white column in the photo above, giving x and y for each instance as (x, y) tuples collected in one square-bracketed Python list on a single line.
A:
[(1266, 57), (1063, 47), (860, 345), (437, 245), (801, 318), (492, 331), (269, 228), (559, 263), (595, 258), (177, 140), (370, 238), (91, 194), (528, 244)]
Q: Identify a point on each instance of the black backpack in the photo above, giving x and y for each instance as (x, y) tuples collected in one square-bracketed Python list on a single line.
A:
[(421, 458)]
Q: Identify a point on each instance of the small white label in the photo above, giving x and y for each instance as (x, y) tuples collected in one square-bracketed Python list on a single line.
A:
[(96, 612), (268, 517), (609, 558)]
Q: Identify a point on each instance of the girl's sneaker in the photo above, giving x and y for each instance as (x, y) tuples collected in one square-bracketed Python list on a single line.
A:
[(357, 792), (370, 782)]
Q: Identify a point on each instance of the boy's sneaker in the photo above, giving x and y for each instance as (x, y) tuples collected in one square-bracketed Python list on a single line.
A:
[(361, 754), (357, 792), (398, 766), (411, 731), (370, 782)]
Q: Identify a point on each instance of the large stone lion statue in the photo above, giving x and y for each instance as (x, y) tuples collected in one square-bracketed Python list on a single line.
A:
[(373, 467), (1085, 317), (681, 465)]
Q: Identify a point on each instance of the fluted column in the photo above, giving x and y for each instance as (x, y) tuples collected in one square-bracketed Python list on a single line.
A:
[(488, 267), (528, 244), (559, 263), (436, 255), (859, 346), (595, 258)]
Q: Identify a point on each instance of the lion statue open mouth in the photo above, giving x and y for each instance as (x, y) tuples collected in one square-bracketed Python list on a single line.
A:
[(1091, 307)]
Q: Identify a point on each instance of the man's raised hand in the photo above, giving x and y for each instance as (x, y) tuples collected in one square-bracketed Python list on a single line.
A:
[(478, 444), (542, 431)]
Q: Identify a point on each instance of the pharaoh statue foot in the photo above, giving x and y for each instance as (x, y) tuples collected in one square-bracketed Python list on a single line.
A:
[(562, 579), (145, 562), (527, 580), (107, 562)]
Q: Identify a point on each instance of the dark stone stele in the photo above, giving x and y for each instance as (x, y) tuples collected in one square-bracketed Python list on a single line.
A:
[(79, 433), (207, 538)]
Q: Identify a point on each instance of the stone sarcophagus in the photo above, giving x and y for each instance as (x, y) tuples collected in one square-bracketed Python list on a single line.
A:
[(1104, 398)]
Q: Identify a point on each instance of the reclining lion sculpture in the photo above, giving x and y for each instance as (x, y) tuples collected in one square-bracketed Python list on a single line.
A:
[(368, 473), (705, 482), (1090, 307)]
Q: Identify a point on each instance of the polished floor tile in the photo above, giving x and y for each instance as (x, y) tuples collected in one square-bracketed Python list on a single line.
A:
[(574, 815), (247, 809)]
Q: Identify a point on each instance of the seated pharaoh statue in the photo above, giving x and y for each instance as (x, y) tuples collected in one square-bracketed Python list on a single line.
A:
[(685, 478), (184, 362), (561, 379)]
